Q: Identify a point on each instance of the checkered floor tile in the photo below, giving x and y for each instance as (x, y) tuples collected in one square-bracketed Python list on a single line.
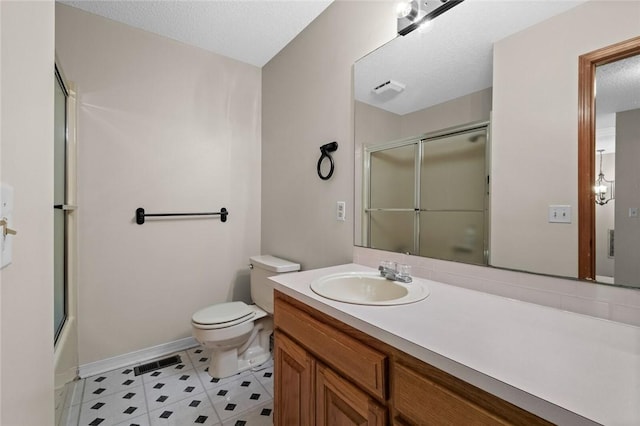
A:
[(180, 394)]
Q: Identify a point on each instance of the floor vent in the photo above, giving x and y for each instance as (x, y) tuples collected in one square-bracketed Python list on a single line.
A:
[(156, 365)]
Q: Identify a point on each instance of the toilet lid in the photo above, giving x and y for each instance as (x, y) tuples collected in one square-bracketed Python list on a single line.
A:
[(223, 313)]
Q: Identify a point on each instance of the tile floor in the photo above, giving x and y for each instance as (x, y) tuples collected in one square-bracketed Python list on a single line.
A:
[(178, 395)]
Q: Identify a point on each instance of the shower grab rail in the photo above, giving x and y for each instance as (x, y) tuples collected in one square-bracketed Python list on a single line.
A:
[(140, 214)]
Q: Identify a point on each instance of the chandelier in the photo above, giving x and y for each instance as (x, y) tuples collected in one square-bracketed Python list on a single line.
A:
[(604, 189)]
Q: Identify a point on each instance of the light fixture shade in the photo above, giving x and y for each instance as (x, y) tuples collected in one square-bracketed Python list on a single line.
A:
[(413, 13), (604, 188)]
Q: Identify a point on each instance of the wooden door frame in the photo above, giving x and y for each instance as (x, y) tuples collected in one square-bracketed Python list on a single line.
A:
[(587, 147)]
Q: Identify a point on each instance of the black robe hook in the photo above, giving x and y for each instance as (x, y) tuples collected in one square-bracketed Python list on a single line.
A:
[(325, 150)]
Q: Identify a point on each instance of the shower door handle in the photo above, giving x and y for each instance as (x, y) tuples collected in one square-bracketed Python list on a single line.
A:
[(4, 223), (65, 207)]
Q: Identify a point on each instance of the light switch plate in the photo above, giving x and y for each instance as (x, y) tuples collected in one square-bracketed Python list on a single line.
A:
[(341, 213), (559, 214)]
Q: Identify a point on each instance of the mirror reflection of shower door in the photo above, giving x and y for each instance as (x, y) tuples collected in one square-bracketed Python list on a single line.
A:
[(59, 201), (391, 213), (429, 196), (453, 197)]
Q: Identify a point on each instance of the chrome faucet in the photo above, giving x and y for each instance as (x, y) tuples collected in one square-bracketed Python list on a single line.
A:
[(395, 272)]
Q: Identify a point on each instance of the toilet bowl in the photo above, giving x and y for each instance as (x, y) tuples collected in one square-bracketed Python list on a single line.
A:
[(238, 334)]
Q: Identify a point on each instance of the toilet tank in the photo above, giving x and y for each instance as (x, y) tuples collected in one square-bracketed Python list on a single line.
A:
[(263, 267)]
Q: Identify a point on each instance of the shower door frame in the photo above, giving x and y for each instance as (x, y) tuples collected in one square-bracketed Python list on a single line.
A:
[(66, 336), (418, 141)]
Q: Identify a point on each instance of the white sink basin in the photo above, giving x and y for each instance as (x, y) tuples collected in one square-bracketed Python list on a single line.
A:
[(368, 289)]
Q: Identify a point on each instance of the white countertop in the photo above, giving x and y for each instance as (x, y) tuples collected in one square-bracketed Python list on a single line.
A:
[(565, 367)]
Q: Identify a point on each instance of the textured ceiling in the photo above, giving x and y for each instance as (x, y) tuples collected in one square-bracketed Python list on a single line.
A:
[(617, 89), (450, 58), (249, 31)]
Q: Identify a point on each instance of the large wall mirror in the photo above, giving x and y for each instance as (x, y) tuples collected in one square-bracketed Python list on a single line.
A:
[(513, 65)]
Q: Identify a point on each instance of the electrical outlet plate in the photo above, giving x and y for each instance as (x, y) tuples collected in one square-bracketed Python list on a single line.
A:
[(559, 214)]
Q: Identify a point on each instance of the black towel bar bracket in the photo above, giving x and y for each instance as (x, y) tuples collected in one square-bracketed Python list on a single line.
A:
[(326, 151), (140, 214)]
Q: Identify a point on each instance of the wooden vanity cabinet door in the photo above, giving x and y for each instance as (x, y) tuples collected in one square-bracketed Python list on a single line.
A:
[(293, 387), (339, 403), (427, 396), (424, 402)]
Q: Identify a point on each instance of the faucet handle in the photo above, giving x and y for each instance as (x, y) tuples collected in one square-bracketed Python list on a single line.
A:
[(404, 272), (387, 265)]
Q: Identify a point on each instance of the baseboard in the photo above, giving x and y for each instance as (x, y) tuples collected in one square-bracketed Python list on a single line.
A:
[(131, 358), (62, 378), (65, 355)]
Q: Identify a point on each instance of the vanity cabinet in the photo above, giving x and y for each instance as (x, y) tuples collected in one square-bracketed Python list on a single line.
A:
[(323, 376), (328, 373)]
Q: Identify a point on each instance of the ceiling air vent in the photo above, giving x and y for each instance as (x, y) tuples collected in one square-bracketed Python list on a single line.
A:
[(388, 85)]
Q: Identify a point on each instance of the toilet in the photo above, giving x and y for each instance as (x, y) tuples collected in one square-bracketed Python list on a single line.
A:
[(238, 334)]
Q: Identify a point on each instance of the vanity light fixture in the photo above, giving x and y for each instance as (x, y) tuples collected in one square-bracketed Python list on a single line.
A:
[(604, 186), (414, 13)]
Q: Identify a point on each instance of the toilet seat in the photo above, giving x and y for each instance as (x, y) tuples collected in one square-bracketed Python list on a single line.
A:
[(223, 315)]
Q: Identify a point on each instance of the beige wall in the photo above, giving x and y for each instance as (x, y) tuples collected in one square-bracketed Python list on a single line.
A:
[(534, 144), (307, 102), (467, 109), (26, 330), (375, 125), (167, 127), (627, 263)]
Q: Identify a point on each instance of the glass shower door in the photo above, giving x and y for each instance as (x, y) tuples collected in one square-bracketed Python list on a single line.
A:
[(392, 209), (59, 212), (453, 197)]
